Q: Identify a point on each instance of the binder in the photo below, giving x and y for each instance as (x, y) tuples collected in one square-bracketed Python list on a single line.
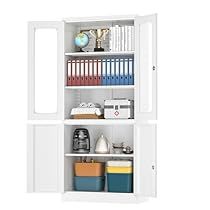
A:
[(117, 71), (131, 72), (126, 71), (86, 70), (99, 72), (82, 73), (108, 72), (95, 72), (103, 81), (73, 72), (69, 79), (121, 71), (77, 83), (112, 71), (90, 81)]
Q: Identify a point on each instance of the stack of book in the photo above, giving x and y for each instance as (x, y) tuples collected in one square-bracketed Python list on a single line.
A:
[(121, 38), (106, 71)]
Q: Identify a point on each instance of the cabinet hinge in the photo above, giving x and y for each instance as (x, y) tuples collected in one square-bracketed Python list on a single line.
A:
[(153, 68), (153, 167)]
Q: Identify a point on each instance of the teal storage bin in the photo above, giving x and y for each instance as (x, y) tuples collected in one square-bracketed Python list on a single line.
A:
[(89, 183), (120, 182)]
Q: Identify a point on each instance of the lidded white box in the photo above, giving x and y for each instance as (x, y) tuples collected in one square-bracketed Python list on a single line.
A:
[(119, 109)]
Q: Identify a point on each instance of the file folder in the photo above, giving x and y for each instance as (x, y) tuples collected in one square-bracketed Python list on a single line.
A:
[(73, 72), (108, 72), (90, 81), (113, 70), (103, 81), (99, 72), (131, 72), (117, 71), (121, 71), (69, 79), (126, 71), (77, 73), (86, 66), (95, 72), (82, 73)]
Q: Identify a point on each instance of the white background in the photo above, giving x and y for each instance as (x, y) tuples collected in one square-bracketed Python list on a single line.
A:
[(183, 96)]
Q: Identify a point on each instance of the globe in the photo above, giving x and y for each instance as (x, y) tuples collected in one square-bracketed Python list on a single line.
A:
[(81, 40)]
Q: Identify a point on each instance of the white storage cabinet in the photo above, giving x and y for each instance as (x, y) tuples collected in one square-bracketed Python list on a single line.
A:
[(50, 100)]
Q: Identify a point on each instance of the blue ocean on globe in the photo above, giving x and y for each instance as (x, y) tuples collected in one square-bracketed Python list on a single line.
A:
[(81, 40)]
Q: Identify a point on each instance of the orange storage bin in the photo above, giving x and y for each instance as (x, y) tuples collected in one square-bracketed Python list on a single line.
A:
[(89, 169)]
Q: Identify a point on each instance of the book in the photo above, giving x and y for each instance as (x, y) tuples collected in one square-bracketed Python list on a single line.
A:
[(126, 38), (132, 38), (129, 38), (122, 38)]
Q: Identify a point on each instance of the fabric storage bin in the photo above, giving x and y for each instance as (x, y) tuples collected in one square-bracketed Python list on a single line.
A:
[(118, 182), (89, 169), (82, 183)]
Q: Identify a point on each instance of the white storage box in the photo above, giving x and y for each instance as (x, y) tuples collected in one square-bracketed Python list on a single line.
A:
[(119, 109), (119, 163)]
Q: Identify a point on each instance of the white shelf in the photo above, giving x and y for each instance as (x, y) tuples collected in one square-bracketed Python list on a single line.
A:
[(100, 87), (77, 54), (98, 155), (99, 122)]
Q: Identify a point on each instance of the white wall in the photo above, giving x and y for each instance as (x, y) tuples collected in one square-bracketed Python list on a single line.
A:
[(183, 90)]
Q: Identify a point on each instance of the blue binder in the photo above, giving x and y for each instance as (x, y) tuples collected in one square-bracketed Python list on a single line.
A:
[(108, 72), (131, 72), (104, 73), (112, 61), (117, 71), (121, 71), (126, 71)]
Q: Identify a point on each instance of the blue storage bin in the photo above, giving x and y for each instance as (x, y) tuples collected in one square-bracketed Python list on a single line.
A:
[(120, 182), (89, 183)]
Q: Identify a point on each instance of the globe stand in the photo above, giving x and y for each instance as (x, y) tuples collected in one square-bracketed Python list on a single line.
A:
[(98, 49)]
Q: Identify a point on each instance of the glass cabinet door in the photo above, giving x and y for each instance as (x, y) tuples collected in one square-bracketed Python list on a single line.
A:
[(45, 70)]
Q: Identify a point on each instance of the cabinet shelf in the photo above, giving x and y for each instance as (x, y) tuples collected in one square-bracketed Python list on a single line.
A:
[(99, 122), (99, 87), (82, 54), (98, 155)]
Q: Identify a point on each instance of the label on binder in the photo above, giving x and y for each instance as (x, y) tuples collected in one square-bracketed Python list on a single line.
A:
[(99, 69), (77, 72), (86, 66), (126, 71), (108, 72), (73, 72), (131, 72), (121, 71), (90, 82), (82, 73)]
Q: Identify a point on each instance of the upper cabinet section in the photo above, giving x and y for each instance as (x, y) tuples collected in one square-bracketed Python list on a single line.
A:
[(45, 70), (146, 67)]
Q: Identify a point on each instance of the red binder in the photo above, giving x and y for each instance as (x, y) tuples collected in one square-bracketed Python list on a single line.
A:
[(95, 72), (69, 79), (82, 72), (77, 83), (86, 70), (99, 72), (73, 72), (90, 73)]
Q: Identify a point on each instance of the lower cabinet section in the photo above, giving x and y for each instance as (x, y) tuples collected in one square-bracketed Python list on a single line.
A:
[(43, 158)]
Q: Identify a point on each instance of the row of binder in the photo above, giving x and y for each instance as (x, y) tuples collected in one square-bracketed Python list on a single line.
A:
[(114, 71)]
